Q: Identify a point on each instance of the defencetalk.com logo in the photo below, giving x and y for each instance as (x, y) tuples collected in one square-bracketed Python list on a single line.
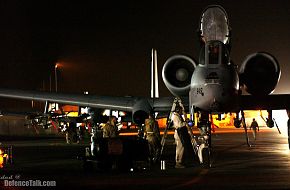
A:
[(29, 183)]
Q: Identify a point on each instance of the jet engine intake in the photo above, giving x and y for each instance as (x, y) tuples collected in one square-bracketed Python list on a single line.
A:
[(260, 73), (176, 74), (141, 111)]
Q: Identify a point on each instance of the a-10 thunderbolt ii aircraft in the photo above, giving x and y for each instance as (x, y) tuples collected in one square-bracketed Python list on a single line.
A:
[(213, 85)]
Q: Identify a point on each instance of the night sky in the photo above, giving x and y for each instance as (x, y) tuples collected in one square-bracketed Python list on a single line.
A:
[(105, 48)]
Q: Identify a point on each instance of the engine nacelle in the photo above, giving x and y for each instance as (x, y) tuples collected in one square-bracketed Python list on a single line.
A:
[(260, 73), (176, 74), (141, 111)]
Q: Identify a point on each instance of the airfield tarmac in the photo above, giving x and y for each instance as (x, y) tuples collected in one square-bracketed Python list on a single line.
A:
[(265, 165)]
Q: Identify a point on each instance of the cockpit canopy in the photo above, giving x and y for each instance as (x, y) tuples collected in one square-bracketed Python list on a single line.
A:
[(214, 25)]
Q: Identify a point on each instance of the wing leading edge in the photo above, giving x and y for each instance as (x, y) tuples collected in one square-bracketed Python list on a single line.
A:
[(103, 102)]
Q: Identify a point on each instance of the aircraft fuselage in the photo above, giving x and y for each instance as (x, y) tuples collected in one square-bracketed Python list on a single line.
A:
[(214, 84)]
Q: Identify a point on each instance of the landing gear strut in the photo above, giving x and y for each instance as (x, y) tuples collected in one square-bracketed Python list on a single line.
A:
[(245, 128), (204, 140), (238, 122)]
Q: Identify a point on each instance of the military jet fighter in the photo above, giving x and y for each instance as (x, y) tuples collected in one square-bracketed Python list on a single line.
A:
[(213, 85)]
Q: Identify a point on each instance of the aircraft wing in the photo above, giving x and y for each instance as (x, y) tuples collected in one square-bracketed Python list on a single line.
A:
[(128, 103), (270, 102), (139, 106), (118, 103)]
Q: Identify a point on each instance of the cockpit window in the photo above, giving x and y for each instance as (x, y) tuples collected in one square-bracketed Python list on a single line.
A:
[(214, 25), (214, 52)]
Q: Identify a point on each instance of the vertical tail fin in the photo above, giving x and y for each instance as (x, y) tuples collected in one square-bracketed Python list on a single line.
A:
[(154, 75)]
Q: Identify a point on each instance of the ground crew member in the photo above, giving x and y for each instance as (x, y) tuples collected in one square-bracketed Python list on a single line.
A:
[(255, 126), (153, 137), (71, 133), (181, 136), (115, 146), (110, 130)]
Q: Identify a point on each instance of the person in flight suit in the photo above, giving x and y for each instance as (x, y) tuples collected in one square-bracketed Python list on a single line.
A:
[(255, 127), (153, 137), (181, 136)]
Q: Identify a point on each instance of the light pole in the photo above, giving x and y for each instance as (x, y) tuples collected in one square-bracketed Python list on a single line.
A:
[(55, 75)]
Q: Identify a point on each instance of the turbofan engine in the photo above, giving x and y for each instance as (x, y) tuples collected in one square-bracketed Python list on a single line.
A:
[(176, 74), (141, 110), (260, 73)]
